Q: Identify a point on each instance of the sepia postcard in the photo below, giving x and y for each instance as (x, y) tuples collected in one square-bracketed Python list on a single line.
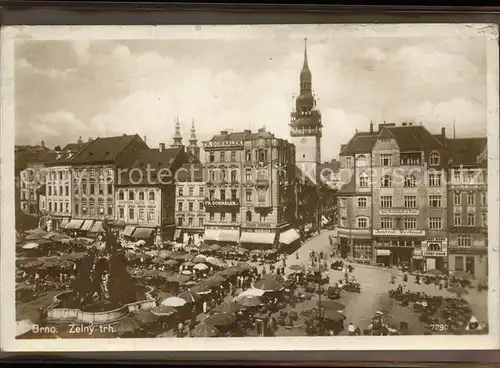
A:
[(252, 187)]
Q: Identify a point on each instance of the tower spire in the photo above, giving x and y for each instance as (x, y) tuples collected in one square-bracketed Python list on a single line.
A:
[(177, 134), (193, 140), (193, 148), (305, 66)]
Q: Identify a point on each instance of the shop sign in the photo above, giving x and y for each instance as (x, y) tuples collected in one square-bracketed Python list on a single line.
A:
[(465, 229), (435, 254), (387, 232), (212, 227), (259, 225), (216, 203), (398, 211), (223, 144)]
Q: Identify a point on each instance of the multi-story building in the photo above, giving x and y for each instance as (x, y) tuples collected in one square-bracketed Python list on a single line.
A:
[(331, 184), (95, 171), (250, 188), (145, 193), (190, 204), (468, 206), (393, 210), (59, 187)]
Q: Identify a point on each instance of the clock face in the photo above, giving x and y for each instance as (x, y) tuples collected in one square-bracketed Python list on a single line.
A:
[(303, 140)]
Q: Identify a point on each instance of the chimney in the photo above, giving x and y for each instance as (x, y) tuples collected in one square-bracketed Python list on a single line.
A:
[(371, 126), (162, 147), (43, 144), (342, 146), (145, 139), (443, 132), (80, 140), (380, 126), (223, 132), (410, 124), (262, 130), (248, 131), (90, 139)]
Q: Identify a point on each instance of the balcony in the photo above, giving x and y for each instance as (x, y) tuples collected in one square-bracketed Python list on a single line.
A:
[(262, 183)]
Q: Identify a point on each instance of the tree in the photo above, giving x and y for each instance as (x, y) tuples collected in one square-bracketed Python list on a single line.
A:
[(57, 148)]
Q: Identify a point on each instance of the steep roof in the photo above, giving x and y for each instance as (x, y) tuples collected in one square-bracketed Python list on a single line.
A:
[(333, 165), (106, 149), (40, 157), (74, 147), (190, 173), (414, 138), (65, 160), (362, 142), (465, 151), (150, 161)]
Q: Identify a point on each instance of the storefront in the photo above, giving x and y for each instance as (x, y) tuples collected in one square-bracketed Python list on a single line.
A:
[(417, 260), (399, 243), (221, 235), (289, 238), (74, 226), (362, 250), (435, 254), (257, 239), (474, 261), (192, 238), (144, 233), (345, 246)]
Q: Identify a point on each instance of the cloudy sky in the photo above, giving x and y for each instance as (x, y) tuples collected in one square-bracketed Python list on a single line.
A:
[(65, 89)]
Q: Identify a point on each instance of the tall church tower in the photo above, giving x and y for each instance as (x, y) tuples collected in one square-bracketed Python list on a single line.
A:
[(177, 135), (193, 148), (305, 126)]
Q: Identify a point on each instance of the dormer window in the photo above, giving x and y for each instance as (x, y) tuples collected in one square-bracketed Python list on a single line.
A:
[(434, 159)]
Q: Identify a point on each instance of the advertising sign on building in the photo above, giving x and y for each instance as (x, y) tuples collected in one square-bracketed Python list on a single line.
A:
[(398, 211), (388, 232), (223, 144), (216, 202)]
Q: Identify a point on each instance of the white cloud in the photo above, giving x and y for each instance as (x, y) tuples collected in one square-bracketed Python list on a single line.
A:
[(82, 50), (49, 126)]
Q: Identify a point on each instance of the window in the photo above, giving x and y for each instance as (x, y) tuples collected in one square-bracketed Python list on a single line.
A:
[(141, 214), (101, 188), (202, 191), (262, 217), (223, 216), (410, 223), (223, 157), (348, 161), (361, 160), (233, 216), (410, 181), (248, 196), (410, 201), (457, 176), (233, 156), (61, 190), (434, 159), (180, 221), (211, 194), (122, 212), (211, 157), (110, 210), (201, 221), (131, 195), (121, 195), (151, 195), (484, 199), (471, 199), (77, 208), (261, 194), (435, 180), (84, 210), (457, 219), (233, 176), (363, 180), (141, 195), (50, 190), (212, 216), (60, 207), (110, 189), (67, 207), (249, 216), (464, 241), (179, 206), (386, 181), (471, 177), (386, 159), (190, 206), (151, 214), (248, 155), (435, 223), (222, 194), (213, 176), (248, 175), (262, 155), (131, 213), (386, 223), (471, 219), (92, 188), (233, 194), (201, 206), (386, 201), (60, 175), (66, 190), (362, 222), (362, 202), (484, 219), (181, 191), (223, 175), (191, 191), (435, 201), (457, 199), (190, 221), (459, 263)]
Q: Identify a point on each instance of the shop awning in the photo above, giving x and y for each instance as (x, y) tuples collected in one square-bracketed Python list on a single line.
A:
[(96, 227), (229, 236), (258, 238), (289, 236), (143, 232), (74, 224), (128, 230), (383, 252), (212, 235), (177, 234), (87, 225), (63, 223)]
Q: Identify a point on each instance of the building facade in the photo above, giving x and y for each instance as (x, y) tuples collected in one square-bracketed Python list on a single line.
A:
[(190, 204), (249, 179), (468, 209)]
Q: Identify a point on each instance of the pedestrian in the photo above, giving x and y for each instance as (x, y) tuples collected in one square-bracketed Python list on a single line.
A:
[(351, 329), (297, 255), (205, 306)]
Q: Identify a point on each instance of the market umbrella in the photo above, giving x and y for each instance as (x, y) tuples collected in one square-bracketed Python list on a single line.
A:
[(204, 330), (244, 266), (179, 256), (173, 301), (180, 279), (200, 266), (50, 235), (188, 264), (221, 319), (128, 325), (228, 307), (188, 256), (274, 276), (200, 289), (333, 315), (199, 259), (163, 310), (268, 284), (191, 283), (215, 261), (212, 281), (204, 247), (171, 262), (462, 275), (249, 301), (186, 272), (189, 296), (434, 272), (332, 305), (31, 246), (165, 253), (459, 291), (226, 249), (297, 268), (242, 250), (146, 317), (215, 247)]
